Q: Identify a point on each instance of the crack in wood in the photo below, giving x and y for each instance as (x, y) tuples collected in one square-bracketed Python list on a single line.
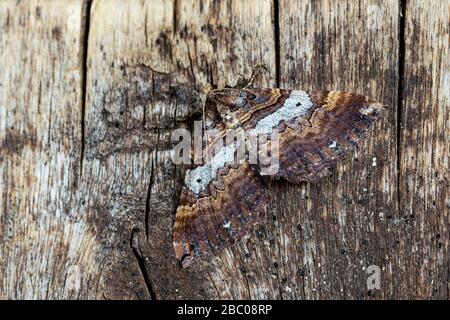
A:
[(135, 247), (276, 26), (85, 21), (175, 17), (149, 191), (145, 29), (401, 75)]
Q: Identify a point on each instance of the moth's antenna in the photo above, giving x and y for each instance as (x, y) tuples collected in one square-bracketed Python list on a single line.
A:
[(250, 82), (256, 71)]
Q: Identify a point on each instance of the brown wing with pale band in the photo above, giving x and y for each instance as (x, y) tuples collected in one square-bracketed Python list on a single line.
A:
[(316, 128), (205, 225), (339, 121), (221, 203)]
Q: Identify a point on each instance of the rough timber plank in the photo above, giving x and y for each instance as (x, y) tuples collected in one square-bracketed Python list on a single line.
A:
[(327, 234), (132, 102), (148, 70), (425, 151), (94, 219), (41, 61)]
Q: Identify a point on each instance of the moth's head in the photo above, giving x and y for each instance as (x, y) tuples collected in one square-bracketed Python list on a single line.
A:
[(233, 104)]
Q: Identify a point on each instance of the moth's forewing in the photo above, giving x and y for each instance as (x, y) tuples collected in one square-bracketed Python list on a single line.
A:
[(224, 213)]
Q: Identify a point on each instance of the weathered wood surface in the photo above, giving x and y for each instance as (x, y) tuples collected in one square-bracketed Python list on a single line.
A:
[(339, 226), (43, 240), (90, 92), (424, 153)]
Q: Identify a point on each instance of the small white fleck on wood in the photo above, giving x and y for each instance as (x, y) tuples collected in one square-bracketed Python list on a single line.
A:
[(374, 162)]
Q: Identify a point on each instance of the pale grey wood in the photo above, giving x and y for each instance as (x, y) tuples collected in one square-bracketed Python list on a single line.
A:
[(425, 152), (43, 236), (329, 233)]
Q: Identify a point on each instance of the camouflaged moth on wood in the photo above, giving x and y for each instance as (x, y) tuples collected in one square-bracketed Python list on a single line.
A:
[(221, 202)]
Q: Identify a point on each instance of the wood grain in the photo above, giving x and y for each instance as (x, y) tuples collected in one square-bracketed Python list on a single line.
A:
[(43, 237), (147, 74), (130, 183), (88, 191), (425, 152), (329, 233)]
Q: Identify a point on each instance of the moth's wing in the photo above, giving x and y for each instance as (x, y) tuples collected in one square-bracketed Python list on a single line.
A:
[(335, 123), (316, 128), (223, 213)]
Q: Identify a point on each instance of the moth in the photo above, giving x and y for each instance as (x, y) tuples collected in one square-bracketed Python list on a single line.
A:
[(222, 201)]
